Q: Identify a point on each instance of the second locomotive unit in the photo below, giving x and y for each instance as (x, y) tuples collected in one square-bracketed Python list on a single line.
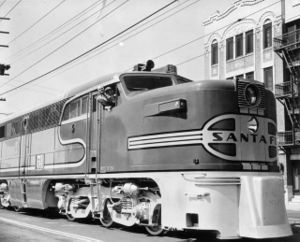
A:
[(151, 148)]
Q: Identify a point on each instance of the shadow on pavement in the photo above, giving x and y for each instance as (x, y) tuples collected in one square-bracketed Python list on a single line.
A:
[(182, 236)]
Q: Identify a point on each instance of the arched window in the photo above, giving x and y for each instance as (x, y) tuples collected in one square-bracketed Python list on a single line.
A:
[(214, 52), (267, 34)]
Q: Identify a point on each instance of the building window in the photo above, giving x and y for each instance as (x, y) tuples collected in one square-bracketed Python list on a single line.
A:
[(240, 77), (250, 75), (249, 41), (2, 132), (239, 47), (229, 48), (214, 53), (267, 35), (268, 77)]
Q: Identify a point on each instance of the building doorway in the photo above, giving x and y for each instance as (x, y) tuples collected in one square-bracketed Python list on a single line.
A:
[(296, 177)]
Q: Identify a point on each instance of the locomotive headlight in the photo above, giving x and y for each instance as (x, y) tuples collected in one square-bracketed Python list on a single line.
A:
[(251, 94)]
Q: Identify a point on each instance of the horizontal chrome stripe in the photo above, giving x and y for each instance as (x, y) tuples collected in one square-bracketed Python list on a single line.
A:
[(211, 181), (165, 144), (164, 140), (63, 176), (144, 137), (149, 141), (216, 184)]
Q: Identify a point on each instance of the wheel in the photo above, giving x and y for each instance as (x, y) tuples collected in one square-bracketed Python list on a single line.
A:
[(106, 220), (17, 208), (155, 230), (70, 217), (4, 203), (156, 218)]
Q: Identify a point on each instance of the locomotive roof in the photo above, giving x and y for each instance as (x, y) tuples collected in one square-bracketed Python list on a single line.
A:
[(89, 85), (26, 111), (78, 89)]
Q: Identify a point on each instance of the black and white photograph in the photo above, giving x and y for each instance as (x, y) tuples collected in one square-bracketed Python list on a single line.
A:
[(149, 120)]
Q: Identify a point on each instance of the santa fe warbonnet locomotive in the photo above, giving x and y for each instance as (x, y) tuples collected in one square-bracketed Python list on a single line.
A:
[(151, 148)]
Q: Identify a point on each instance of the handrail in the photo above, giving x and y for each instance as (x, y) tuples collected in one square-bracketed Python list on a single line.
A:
[(288, 88), (288, 40), (285, 138)]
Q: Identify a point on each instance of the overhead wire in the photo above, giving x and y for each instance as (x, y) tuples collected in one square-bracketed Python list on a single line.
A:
[(190, 59), (100, 51), (189, 42), (37, 21), (57, 29), (55, 90), (164, 53), (33, 24), (2, 3), (76, 16), (205, 35), (55, 37), (56, 49), (95, 47), (177, 47), (9, 11)]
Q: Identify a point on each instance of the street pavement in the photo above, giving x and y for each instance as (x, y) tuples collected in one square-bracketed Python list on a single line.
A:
[(35, 226), (294, 216)]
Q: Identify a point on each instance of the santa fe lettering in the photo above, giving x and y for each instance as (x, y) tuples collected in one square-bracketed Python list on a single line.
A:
[(232, 137)]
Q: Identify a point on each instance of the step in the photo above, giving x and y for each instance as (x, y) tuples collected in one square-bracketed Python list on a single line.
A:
[(296, 199)]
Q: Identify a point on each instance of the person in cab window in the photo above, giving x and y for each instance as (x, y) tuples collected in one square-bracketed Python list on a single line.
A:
[(108, 97)]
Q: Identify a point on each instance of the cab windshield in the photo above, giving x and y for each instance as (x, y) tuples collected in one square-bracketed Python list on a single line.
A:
[(137, 83)]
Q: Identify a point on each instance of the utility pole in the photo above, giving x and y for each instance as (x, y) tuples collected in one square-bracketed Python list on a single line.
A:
[(4, 32), (4, 67)]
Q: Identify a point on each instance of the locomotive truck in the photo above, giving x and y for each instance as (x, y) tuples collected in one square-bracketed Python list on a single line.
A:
[(151, 148)]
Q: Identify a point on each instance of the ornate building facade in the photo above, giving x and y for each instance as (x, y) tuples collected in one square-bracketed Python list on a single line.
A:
[(260, 39)]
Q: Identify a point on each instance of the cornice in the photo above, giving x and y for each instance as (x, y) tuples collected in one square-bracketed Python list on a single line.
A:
[(236, 5)]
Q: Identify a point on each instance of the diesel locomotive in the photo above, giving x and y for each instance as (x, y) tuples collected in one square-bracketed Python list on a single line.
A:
[(151, 148)]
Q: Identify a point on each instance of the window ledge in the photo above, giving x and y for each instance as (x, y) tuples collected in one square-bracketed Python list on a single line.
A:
[(240, 57), (268, 48)]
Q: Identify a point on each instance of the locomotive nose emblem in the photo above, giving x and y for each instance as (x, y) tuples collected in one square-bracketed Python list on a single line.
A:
[(252, 125)]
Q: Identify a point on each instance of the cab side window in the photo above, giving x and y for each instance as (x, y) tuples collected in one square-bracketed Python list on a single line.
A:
[(76, 108), (84, 105)]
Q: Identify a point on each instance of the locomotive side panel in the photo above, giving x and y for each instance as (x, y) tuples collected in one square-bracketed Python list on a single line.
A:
[(140, 115), (51, 157), (206, 130), (10, 157), (41, 154), (177, 137)]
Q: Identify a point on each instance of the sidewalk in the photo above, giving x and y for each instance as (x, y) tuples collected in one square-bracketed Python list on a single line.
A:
[(293, 216)]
